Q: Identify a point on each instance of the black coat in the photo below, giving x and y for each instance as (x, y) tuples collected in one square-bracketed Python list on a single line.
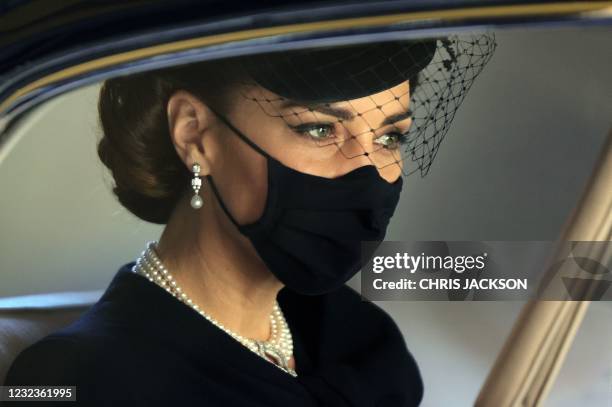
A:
[(140, 346)]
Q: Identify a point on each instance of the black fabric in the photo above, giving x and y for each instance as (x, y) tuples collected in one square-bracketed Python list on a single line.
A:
[(327, 75), (311, 231), (141, 346)]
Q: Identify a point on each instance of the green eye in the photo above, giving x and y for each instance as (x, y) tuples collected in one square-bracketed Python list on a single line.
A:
[(319, 132), (389, 140), (315, 131)]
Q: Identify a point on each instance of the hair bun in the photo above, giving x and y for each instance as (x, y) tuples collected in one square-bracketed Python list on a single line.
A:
[(136, 146)]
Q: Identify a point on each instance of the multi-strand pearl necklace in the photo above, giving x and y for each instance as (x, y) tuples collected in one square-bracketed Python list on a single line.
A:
[(280, 344)]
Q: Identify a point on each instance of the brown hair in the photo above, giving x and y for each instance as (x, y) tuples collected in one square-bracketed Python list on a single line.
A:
[(149, 176)]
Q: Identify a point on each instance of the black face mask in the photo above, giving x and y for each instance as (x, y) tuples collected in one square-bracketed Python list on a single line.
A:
[(310, 233)]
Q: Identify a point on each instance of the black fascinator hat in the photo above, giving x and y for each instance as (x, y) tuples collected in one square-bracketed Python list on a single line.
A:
[(439, 72), (341, 73)]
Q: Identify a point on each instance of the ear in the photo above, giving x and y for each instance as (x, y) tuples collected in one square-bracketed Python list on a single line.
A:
[(188, 125)]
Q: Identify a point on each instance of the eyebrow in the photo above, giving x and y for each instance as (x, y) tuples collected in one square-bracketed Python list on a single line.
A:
[(397, 117), (332, 111), (345, 114)]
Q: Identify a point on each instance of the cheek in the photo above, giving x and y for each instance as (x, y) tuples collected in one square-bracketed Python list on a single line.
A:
[(392, 172), (242, 175), (252, 196)]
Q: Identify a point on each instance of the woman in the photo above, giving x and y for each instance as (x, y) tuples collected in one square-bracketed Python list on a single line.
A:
[(268, 172)]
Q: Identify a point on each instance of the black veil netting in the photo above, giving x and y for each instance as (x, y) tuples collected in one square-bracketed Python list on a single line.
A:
[(381, 85)]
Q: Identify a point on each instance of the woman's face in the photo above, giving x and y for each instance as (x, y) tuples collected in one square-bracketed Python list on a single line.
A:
[(324, 140)]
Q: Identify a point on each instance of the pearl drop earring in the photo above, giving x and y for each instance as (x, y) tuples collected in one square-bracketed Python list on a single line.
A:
[(196, 183)]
